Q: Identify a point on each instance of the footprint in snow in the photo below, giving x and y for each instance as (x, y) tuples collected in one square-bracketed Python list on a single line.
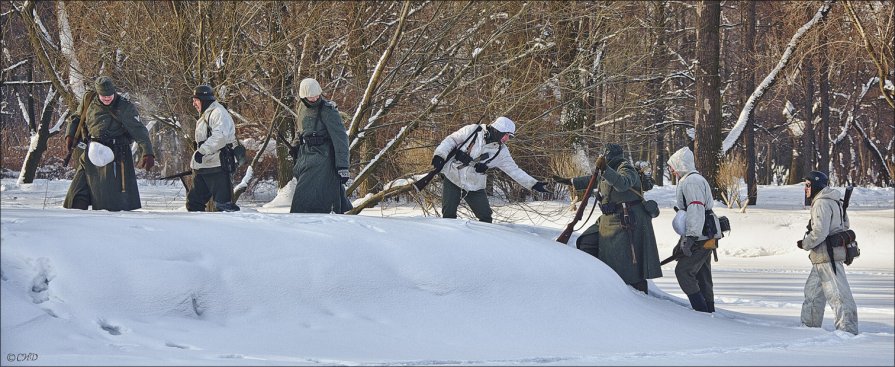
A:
[(144, 228), (108, 327), (40, 284), (180, 346), (373, 228)]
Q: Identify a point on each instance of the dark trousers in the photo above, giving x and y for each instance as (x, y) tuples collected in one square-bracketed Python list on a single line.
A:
[(477, 200), (694, 273), (206, 186)]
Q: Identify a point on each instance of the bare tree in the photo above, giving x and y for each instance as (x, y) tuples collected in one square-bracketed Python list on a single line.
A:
[(708, 96)]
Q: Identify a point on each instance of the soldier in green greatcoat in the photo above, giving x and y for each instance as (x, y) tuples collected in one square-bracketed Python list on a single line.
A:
[(623, 236), (321, 155), (104, 174)]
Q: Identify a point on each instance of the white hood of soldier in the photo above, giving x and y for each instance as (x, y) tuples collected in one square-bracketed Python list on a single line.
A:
[(682, 161), (693, 194), (465, 177), (223, 132)]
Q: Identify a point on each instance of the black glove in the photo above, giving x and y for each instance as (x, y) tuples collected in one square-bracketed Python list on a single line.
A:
[(687, 245), (344, 176), (562, 180), (601, 165), (463, 157), (437, 161), (198, 157), (293, 152), (481, 167), (539, 187), (799, 243)]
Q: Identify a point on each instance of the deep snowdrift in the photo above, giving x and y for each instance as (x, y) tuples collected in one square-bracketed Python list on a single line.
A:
[(162, 286), (148, 288)]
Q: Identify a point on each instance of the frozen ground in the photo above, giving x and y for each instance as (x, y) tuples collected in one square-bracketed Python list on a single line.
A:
[(160, 286)]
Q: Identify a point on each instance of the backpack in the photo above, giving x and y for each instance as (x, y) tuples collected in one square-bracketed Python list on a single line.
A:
[(845, 238), (232, 157)]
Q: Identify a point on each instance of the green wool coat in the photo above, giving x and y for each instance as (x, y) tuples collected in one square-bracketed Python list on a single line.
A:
[(118, 126), (615, 241), (318, 189)]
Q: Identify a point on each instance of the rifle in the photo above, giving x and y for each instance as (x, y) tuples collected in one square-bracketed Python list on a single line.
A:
[(421, 183), (567, 233), (181, 176), (178, 175), (88, 97), (675, 254), (848, 190)]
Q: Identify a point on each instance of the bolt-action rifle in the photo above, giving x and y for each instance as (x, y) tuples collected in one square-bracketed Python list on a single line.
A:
[(79, 131), (567, 233), (848, 190)]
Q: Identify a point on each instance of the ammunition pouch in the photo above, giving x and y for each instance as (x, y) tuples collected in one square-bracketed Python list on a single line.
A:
[(314, 139), (652, 207), (232, 157), (840, 239), (847, 239), (724, 223), (608, 208), (708, 227)]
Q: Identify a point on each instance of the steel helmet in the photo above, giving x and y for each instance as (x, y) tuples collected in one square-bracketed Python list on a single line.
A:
[(204, 93), (504, 125), (309, 88)]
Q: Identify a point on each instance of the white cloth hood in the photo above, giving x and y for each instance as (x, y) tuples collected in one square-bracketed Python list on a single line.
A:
[(682, 161)]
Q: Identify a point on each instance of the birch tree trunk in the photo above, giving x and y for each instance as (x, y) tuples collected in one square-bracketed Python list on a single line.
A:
[(771, 78), (39, 127)]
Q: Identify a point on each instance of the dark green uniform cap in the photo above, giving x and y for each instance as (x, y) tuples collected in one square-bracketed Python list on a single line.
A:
[(104, 86)]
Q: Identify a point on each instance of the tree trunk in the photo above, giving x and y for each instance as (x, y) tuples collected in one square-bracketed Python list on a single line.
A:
[(749, 85), (795, 164), (807, 153), (39, 128), (657, 110), (823, 164), (708, 92)]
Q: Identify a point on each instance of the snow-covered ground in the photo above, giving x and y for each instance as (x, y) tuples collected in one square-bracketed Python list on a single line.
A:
[(160, 286)]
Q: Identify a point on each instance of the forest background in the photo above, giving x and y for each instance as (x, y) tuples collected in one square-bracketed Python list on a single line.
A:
[(762, 91)]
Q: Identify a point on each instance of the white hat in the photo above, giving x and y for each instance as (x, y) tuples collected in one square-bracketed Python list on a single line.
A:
[(679, 223), (504, 125), (309, 88), (99, 154)]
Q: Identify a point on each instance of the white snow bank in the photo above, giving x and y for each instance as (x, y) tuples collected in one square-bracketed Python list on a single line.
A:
[(137, 288)]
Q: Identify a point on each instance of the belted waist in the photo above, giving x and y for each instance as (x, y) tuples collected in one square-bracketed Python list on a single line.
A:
[(612, 208), (313, 139), (112, 141)]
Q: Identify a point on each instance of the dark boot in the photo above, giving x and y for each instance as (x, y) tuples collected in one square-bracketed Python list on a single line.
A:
[(697, 301), (80, 203), (641, 286), (710, 306), (226, 207)]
